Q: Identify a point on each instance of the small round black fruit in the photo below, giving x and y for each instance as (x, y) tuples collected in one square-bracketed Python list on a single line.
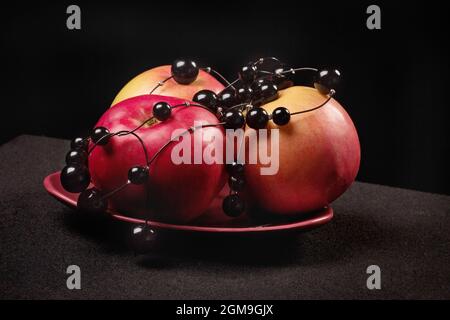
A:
[(206, 98), (226, 98), (236, 183), (281, 116), (235, 169), (234, 119), (327, 80), (162, 111), (76, 156), (184, 71), (100, 136), (244, 94), (79, 143), (143, 238), (247, 74), (233, 205), (75, 178), (91, 200), (138, 174), (257, 118), (266, 91)]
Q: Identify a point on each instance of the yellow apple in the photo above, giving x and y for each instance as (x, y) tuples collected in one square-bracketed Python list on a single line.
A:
[(319, 155)]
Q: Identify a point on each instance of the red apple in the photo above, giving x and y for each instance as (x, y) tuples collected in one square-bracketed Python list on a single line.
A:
[(177, 193), (319, 155), (146, 81)]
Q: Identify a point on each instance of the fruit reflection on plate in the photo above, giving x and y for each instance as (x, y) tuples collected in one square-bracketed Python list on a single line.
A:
[(241, 225)]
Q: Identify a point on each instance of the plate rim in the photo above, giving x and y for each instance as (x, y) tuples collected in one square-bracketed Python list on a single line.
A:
[(322, 218)]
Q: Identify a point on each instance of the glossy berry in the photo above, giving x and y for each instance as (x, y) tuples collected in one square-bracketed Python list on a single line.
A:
[(184, 71), (233, 205), (236, 183), (226, 99), (234, 119), (266, 91), (235, 169), (257, 118), (206, 98), (281, 116), (79, 143), (244, 94), (282, 82), (270, 65), (138, 174), (100, 136), (258, 82), (77, 156), (143, 238), (162, 111), (326, 80), (75, 178), (91, 200), (247, 74)]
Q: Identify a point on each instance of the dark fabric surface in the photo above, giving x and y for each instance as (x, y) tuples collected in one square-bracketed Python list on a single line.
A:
[(406, 233)]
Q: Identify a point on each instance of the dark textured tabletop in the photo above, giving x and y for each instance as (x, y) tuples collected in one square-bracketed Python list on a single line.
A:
[(406, 233)]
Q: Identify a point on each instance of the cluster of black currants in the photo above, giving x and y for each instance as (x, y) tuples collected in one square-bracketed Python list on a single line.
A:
[(233, 205), (75, 176), (255, 86)]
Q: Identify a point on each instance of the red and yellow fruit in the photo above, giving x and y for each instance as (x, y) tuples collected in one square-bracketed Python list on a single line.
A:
[(319, 156), (146, 81)]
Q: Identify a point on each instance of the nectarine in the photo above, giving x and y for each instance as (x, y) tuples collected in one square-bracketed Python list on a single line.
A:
[(319, 155)]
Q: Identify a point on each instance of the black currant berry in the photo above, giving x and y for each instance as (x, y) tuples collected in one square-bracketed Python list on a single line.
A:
[(75, 178), (271, 65), (281, 116), (226, 99), (206, 98), (184, 71), (326, 80), (236, 183), (162, 111), (233, 205), (247, 74), (91, 200), (282, 82), (258, 82), (235, 169), (244, 94), (257, 118), (100, 136), (79, 143), (143, 238), (234, 119), (266, 91), (138, 174), (76, 156)]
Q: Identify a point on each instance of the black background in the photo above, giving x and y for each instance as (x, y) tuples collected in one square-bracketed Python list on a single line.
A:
[(57, 82)]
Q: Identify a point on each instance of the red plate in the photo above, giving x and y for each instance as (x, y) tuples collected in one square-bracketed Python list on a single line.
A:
[(242, 225)]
